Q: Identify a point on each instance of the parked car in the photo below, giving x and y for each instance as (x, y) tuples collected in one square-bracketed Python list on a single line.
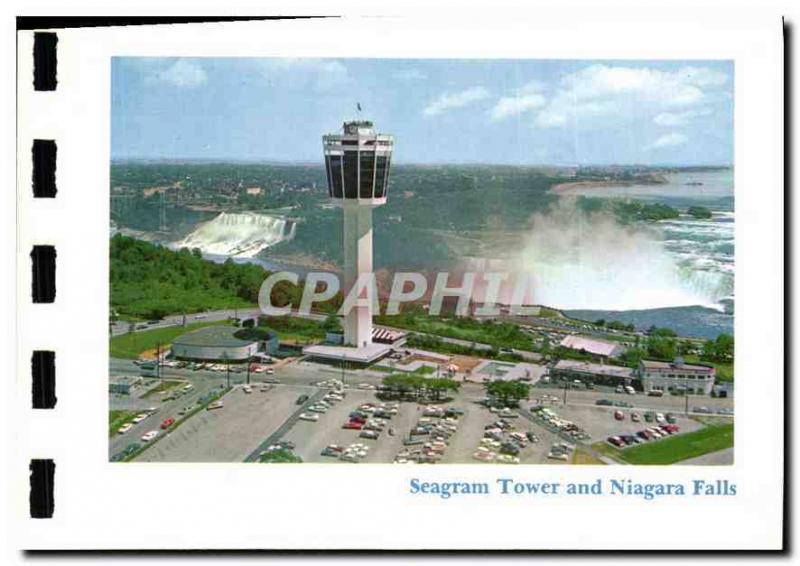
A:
[(655, 393), (148, 436), (630, 390), (619, 415), (369, 434), (302, 399), (660, 418), (332, 450), (125, 428), (312, 417), (635, 417), (671, 418), (604, 402), (139, 418), (167, 423), (352, 425), (616, 441), (214, 405)]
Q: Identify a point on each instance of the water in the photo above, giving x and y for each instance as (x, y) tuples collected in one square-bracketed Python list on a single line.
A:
[(696, 322), (241, 235), (677, 273)]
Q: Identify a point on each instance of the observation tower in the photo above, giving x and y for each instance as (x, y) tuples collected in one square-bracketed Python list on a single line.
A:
[(357, 164)]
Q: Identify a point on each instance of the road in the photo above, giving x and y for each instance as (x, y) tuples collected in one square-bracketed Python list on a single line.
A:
[(124, 327)]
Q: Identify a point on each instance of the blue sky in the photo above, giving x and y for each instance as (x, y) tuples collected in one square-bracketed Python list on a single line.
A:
[(440, 111)]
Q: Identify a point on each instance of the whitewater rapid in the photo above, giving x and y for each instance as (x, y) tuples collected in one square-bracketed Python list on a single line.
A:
[(241, 234)]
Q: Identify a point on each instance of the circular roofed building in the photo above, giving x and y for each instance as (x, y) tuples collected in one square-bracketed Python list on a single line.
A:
[(219, 343)]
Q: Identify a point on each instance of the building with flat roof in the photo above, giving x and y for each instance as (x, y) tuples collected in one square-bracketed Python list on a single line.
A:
[(122, 385), (676, 376), (219, 343), (592, 346), (568, 370)]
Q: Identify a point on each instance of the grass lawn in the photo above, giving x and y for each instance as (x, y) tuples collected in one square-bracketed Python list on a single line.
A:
[(282, 456), (164, 386), (677, 448), (118, 418), (583, 458), (131, 345), (499, 335)]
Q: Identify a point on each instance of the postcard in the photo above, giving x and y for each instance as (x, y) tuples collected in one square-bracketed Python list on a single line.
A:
[(361, 289)]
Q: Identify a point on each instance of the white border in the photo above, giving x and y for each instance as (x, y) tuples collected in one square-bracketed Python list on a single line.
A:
[(100, 505)]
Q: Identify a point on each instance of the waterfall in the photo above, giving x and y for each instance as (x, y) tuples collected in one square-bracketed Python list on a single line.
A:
[(242, 234)]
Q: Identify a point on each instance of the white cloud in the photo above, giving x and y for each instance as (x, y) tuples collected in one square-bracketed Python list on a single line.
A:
[(669, 140), (448, 101), (321, 74), (680, 118), (600, 90), (527, 98), (182, 73), (409, 75)]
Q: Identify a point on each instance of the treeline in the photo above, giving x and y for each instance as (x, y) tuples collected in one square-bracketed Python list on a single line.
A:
[(627, 211), (150, 281)]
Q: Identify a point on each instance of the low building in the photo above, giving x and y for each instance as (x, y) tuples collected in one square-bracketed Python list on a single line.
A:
[(601, 374), (122, 385), (220, 343), (593, 346), (676, 376)]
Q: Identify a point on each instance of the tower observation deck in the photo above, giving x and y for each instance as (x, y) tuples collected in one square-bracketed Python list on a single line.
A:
[(357, 165)]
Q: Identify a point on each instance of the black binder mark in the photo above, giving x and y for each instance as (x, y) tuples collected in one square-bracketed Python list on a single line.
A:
[(44, 168), (41, 496), (45, 61), (43, 368), (44, 274)]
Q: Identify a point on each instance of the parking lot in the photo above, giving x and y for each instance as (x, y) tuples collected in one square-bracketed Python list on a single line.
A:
[(250, 423), (228, 434), (599, 422), (311, 438)]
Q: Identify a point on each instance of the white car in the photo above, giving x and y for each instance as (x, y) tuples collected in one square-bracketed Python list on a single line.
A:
[(148, 436), (309, 417), (125, 428), (188, 387), (139, 418)]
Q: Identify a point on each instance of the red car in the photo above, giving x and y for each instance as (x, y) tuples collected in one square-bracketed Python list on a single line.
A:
[(167, 423), (671, 428), (616, 441), (619, 415), (358, 419), (351, 425)]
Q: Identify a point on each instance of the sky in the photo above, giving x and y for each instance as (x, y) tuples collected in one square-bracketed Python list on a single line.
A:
[(518, 112)]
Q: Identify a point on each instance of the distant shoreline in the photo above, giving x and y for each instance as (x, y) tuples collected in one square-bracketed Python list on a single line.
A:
[(572, 185)]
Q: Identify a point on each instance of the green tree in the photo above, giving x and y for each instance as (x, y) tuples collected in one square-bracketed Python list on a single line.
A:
[(508, 391), (332, 324), (438, 386)]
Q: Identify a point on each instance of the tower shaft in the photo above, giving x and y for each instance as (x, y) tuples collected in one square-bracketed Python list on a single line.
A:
[(357, 262)]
